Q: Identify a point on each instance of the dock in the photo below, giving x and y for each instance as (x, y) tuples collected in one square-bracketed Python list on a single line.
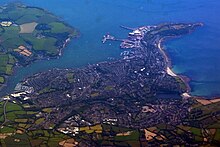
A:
[(110, 37), (133, 40)]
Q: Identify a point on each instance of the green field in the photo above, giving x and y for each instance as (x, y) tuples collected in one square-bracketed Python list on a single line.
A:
[(6, 65), (2, 80), (20, 120)]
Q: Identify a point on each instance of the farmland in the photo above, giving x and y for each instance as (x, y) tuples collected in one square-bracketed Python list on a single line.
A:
[(17, 129)]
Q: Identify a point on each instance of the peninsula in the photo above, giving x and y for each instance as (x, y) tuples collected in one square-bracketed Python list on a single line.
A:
[(28, 34), (134, 101)]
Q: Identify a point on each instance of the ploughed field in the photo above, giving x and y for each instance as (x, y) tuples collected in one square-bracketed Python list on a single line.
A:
[(28, 34)]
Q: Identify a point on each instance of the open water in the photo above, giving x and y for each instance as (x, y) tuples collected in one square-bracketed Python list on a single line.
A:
[(196, 55)]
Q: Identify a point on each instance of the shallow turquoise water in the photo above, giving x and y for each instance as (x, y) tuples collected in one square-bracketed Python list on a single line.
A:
[(195, 55)]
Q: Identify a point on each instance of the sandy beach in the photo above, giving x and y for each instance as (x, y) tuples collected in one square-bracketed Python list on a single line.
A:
[(170, 72)]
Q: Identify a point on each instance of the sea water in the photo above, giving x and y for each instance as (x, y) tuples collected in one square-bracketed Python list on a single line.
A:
[(196, 55)]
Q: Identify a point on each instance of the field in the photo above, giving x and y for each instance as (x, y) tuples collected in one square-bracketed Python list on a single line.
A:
[(6, 65), (28, 27), (15, 132), (205, 115), (120, 136), (2, 80), (23, 117)]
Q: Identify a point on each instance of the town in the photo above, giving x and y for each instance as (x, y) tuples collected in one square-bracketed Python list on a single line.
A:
[(141, 75), (136, 91)]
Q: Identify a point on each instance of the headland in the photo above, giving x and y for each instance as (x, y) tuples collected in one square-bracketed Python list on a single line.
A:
[(28, 34), (135, 100)]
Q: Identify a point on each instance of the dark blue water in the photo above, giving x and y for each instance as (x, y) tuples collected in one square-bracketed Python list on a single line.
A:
[(195, 55)]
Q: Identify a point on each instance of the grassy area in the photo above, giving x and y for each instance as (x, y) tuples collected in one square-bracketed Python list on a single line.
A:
[(3, 63), (47, 44), (2, 80), (7, 130), (203, 114), (39, 121), (196, 131), (46, 90), (59, 27), (70, 77), (6, 66), (20, 120), (134, 135), (21, 14), (10, 32), (91, 129), (13, 107), (97, 133), (47, 110)]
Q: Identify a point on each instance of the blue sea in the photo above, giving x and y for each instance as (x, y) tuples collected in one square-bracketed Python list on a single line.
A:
[(196, 55)]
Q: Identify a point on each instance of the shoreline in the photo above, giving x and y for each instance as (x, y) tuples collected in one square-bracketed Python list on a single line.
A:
[(171, 72), (184, 78)]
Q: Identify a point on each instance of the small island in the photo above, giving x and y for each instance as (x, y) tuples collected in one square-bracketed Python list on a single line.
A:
[(28, 34)]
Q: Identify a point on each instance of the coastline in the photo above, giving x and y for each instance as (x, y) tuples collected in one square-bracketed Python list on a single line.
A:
[(171, 72), (67, 41), (184, 78)]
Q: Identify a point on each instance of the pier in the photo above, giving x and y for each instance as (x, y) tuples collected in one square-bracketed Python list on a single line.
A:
[(133, 39), (110, 37), (128, 28)]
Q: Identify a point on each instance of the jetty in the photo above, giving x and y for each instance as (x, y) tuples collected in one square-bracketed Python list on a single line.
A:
[(133, 39), (128, 28), (110, 37)]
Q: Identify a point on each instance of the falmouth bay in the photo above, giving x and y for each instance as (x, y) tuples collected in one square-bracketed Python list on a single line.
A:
[(195, 56)]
